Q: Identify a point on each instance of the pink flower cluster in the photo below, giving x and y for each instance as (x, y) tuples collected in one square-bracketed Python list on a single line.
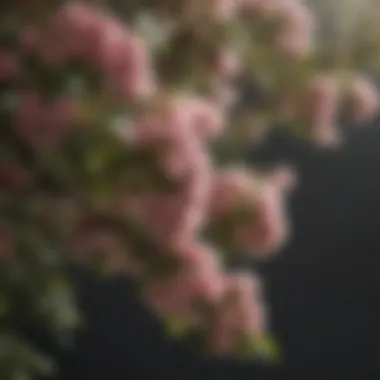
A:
[(177, 130), (321, 103), (240, 315), (7, 243), (44, 123), (263, 198), (12, 177), (179, 120), (363, 98), (320, 107), (198, 280), (234, 300), (9, 66), (294, 37), (78, 31)]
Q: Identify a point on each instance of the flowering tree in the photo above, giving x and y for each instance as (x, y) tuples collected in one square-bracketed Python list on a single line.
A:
[(117, 123)]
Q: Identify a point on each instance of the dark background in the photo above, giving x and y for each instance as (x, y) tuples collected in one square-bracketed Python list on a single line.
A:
[(324, 287)]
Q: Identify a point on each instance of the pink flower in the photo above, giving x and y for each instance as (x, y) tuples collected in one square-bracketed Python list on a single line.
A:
[(175, 217), (228, 187), (129, 73), (248, 306), (80, 31), (164, 125), (42, 123), (294, 45), (295, 36), (219, 10), (12, 177), (261, 7), (270, 230), (244, 286), (327, 136), (109, 46), (69, 33), (9, 66), (224, 95), (29, 37), (268, 8), (172, 130), (203, 264), (242, 314), (226, 9), (296, 16), (206, 118), (43, 44), (228, 64), (284, 177), (222, 339), (364, 98), (199, 279), (267, 230), (74, 27), (320, 107), (7, 242), (177, 126)]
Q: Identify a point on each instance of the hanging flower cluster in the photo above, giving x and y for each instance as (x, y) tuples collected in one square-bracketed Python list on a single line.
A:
[(109, 115)]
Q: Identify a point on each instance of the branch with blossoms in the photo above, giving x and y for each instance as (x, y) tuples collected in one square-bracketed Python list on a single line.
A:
[(115, 118)]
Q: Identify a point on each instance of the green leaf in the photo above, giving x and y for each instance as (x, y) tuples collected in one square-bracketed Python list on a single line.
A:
[(18, 358), (263, 347), (176, 327), (58, 302)]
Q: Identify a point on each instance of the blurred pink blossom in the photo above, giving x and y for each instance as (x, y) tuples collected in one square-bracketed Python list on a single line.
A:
[(80, 31), (364, 98), (205, 117), (228, 187), (269, 8), (9, 66), (129, 74), (176, 128), (228, 63), (12, 177), (297, 25), (199, 279), (7, 242), (226, 9), (242, 314), (263, 8), (294, 45), (224, 95), (76, 27), (320, 107), (219, 10), (284, 177), (178, 216), (268, 229), (171, 130)]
